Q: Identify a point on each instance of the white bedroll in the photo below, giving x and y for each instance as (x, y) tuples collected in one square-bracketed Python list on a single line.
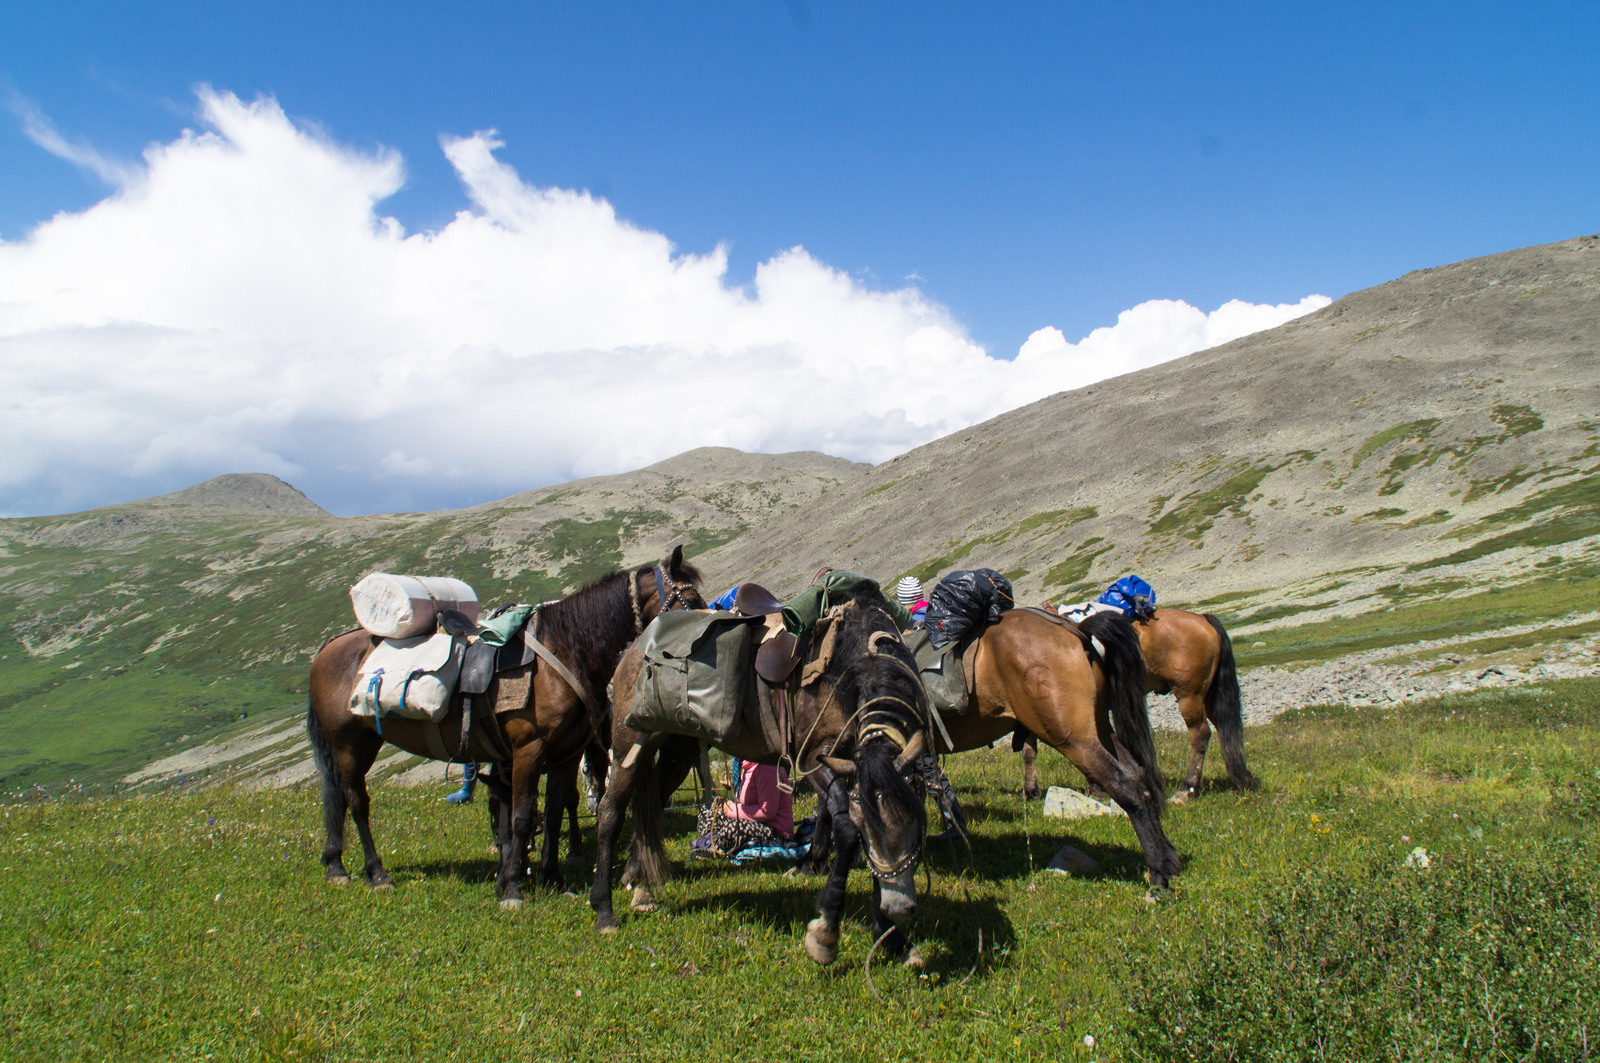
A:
[(415, 669), (400, 607)]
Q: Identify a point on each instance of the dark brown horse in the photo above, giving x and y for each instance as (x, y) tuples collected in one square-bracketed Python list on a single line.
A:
[(1081, 688), (861, 725), (1190, 656), (546, 732)]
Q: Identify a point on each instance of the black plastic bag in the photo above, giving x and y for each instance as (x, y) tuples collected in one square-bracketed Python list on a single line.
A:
[(964, 601)]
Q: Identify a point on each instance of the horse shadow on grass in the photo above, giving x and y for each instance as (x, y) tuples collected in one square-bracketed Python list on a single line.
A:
[(949, 927), (1010, 843)]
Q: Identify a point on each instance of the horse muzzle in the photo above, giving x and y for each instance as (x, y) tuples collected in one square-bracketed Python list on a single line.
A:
[(897, 897)]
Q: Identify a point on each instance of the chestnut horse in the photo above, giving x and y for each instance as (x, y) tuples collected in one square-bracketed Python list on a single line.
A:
[(1038, 673), (1188, 655), (865, 718), (586, 631)]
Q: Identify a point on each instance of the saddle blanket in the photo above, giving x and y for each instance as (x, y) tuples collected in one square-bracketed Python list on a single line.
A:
[(1084, 610), (411, 678), (940, 670)]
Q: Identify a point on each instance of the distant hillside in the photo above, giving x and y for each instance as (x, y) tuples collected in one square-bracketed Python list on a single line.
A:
[(255, 491), (131, 631), (1427, 437)]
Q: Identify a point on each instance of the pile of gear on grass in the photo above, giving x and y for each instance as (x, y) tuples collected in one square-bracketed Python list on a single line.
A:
[(702, 675)]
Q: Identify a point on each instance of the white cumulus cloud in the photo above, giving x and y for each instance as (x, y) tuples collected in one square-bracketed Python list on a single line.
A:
[(240, 303)]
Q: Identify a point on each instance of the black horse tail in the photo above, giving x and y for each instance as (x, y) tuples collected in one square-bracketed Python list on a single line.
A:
[(1124, 671), (333, 793), (649, 857), (1224, 711)]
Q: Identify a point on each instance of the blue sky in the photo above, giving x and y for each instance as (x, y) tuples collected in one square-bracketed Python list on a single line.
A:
[(1020, 166), (1027, 162)]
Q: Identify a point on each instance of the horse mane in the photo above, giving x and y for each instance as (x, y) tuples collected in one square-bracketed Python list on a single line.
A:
[(889, 673), (594, 624)]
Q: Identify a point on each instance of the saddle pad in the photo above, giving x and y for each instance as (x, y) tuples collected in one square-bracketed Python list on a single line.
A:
[(1079, 613), (941, 672), (411, 678)]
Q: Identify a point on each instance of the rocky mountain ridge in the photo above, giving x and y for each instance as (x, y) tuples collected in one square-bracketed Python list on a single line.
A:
[(1423, 438)]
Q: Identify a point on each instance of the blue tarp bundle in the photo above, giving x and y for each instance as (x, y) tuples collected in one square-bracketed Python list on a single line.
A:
[(1135, 597)]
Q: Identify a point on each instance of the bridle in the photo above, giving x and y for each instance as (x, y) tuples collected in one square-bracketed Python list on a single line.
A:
[(885, 725), (677, 599)]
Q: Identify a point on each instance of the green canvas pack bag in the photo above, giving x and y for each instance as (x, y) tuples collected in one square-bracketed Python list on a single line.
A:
[(698, 674), (941, 672)]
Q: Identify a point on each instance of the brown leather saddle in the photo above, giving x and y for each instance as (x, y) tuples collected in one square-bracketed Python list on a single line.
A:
[(779, 652)]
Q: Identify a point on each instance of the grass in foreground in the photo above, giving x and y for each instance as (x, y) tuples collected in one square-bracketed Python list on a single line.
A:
[(191, 926)]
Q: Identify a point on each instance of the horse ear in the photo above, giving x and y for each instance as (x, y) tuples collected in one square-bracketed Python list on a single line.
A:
[(839, 767), (675, 561), (913, 750)]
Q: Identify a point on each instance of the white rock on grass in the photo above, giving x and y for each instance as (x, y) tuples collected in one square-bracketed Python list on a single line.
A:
[(1062, 803), (1070, 861)]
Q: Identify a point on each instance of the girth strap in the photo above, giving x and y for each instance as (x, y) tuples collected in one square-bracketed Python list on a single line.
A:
[(545, 655)]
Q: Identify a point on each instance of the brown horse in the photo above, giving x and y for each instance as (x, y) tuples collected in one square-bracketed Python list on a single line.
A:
[(546, 733), (864, 718), (1079, 686), (1190, 656)]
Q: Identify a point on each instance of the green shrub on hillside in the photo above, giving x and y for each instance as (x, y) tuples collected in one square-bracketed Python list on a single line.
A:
[(1491, 957)]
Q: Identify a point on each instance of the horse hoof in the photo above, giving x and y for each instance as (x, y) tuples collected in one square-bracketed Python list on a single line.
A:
[(1181, 797), (913, 960), (643, 901), (338, 880), (822, 944), (383, 887), (606, 924), (511, 904)]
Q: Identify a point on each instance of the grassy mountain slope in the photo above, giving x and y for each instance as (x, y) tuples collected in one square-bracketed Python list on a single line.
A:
[(1429, 437), (134, 629)]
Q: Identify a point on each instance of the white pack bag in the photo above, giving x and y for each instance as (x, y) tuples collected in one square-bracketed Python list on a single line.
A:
[(412, 678), (399, 607)]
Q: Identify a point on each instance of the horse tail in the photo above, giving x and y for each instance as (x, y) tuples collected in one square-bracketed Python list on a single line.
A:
[(1124, 670), (1224, 711), (333, 792), (649, 853)]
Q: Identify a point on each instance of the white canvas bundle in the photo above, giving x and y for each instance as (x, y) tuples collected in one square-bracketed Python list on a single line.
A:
[(413, 677), (399, 607)]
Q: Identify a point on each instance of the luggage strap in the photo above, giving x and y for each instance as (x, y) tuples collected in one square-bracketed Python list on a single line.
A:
[(545, 655)]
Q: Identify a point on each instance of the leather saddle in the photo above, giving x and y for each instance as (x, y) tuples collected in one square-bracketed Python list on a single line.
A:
[(779, 652)]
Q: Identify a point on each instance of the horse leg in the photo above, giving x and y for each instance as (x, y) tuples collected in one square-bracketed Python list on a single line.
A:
[(1128, 789), (526, 764), (673, 764), (822, 933), (816, 859), (1030, 768), (1193, 708), (333, 766), (635, 771), (561, 787), (575, 860), (355, 785)]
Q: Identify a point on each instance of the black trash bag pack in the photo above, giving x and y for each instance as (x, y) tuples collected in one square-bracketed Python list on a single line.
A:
[(964, 601)]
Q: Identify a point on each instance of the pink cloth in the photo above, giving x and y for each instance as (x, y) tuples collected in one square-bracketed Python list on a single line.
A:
[(761, 800)]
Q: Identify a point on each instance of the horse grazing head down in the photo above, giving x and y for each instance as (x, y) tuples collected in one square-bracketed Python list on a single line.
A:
[(877, 684)]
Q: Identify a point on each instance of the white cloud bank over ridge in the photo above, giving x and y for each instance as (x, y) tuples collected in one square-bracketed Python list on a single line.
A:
[(240, 304)]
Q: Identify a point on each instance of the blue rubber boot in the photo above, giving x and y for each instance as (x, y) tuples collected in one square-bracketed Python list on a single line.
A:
[(469, 780)]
